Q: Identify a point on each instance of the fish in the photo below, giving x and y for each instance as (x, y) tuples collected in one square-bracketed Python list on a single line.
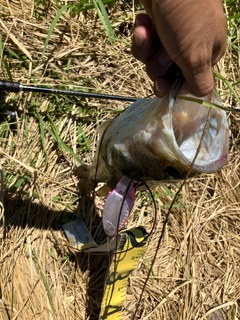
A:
[(155, 141)]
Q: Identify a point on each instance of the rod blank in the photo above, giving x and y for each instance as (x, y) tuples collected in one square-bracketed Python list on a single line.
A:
[(17, 87)]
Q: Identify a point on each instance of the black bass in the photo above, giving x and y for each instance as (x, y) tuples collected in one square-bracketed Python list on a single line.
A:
[(156, 140)]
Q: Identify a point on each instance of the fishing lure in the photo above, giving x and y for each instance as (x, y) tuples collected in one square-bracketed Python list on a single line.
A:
[(120, 201)]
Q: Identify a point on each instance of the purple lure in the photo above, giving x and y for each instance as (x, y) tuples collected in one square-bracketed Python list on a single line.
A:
[(118, 206)]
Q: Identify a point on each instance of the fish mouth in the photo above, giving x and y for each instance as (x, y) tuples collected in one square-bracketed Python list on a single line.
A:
[(160, 140), (199, 133)]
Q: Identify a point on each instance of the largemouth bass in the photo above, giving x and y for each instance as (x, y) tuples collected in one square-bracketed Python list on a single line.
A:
[(156, 140)]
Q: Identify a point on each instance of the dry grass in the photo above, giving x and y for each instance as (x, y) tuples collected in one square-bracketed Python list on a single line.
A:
[(196, 274)]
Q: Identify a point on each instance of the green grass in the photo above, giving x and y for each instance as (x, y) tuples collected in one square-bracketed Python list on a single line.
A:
[(43, 277), (55, 20), (75, 9), (40, 117), (58, 107), (85, 5), (102, 13)]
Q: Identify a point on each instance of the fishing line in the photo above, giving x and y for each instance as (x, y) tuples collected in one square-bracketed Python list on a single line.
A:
[(169, 211), (154, 206), (129, 247), (123, 263), (109, 290), (17, 87), (155, 213), (98, 157)]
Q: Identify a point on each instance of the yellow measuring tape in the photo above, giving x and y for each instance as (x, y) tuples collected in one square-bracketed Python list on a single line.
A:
[(127, 248), (130, 249)]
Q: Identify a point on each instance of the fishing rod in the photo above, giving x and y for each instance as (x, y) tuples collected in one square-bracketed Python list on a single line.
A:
[(17, 87)]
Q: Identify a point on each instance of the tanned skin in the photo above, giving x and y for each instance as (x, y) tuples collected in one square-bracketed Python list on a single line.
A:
[(190, 34)]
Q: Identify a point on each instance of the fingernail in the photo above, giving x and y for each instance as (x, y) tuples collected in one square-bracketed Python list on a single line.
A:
[(138, 41), (164, 58), (158, 88), (161, 86)]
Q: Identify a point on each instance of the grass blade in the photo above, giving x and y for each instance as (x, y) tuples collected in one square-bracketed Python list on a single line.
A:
[(102, 13), (207, 104), (6, 65), (228, 84), (44, 281), (62, 145), (1, 47), (85, 5), (55, 20), (42, 139)]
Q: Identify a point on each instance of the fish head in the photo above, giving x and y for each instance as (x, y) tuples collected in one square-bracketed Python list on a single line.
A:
[(159, 140)]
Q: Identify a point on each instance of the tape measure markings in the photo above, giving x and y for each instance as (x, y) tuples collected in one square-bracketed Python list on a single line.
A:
[(131, 247)]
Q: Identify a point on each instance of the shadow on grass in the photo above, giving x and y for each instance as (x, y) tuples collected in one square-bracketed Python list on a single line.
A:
[(24, 214)]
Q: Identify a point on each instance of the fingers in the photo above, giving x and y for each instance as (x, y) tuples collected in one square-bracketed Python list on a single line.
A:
[(147, 49), (161, 86), (194, 45), (142, 47), (198, 75), (144, 20), (157, 68), (158, 64), (197, 70), (199, 80)]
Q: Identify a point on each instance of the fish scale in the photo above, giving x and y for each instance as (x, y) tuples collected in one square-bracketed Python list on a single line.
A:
[(154, 134)]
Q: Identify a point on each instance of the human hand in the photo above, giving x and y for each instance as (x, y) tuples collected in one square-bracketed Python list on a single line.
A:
[(184, 33)]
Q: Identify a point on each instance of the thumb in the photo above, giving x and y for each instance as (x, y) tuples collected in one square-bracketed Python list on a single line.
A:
[(198, 81)]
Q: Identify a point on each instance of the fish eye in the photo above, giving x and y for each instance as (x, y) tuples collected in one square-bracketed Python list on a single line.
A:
[(171, 172)]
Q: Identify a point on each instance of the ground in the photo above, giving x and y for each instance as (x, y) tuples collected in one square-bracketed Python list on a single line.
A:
[(196, 271)]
